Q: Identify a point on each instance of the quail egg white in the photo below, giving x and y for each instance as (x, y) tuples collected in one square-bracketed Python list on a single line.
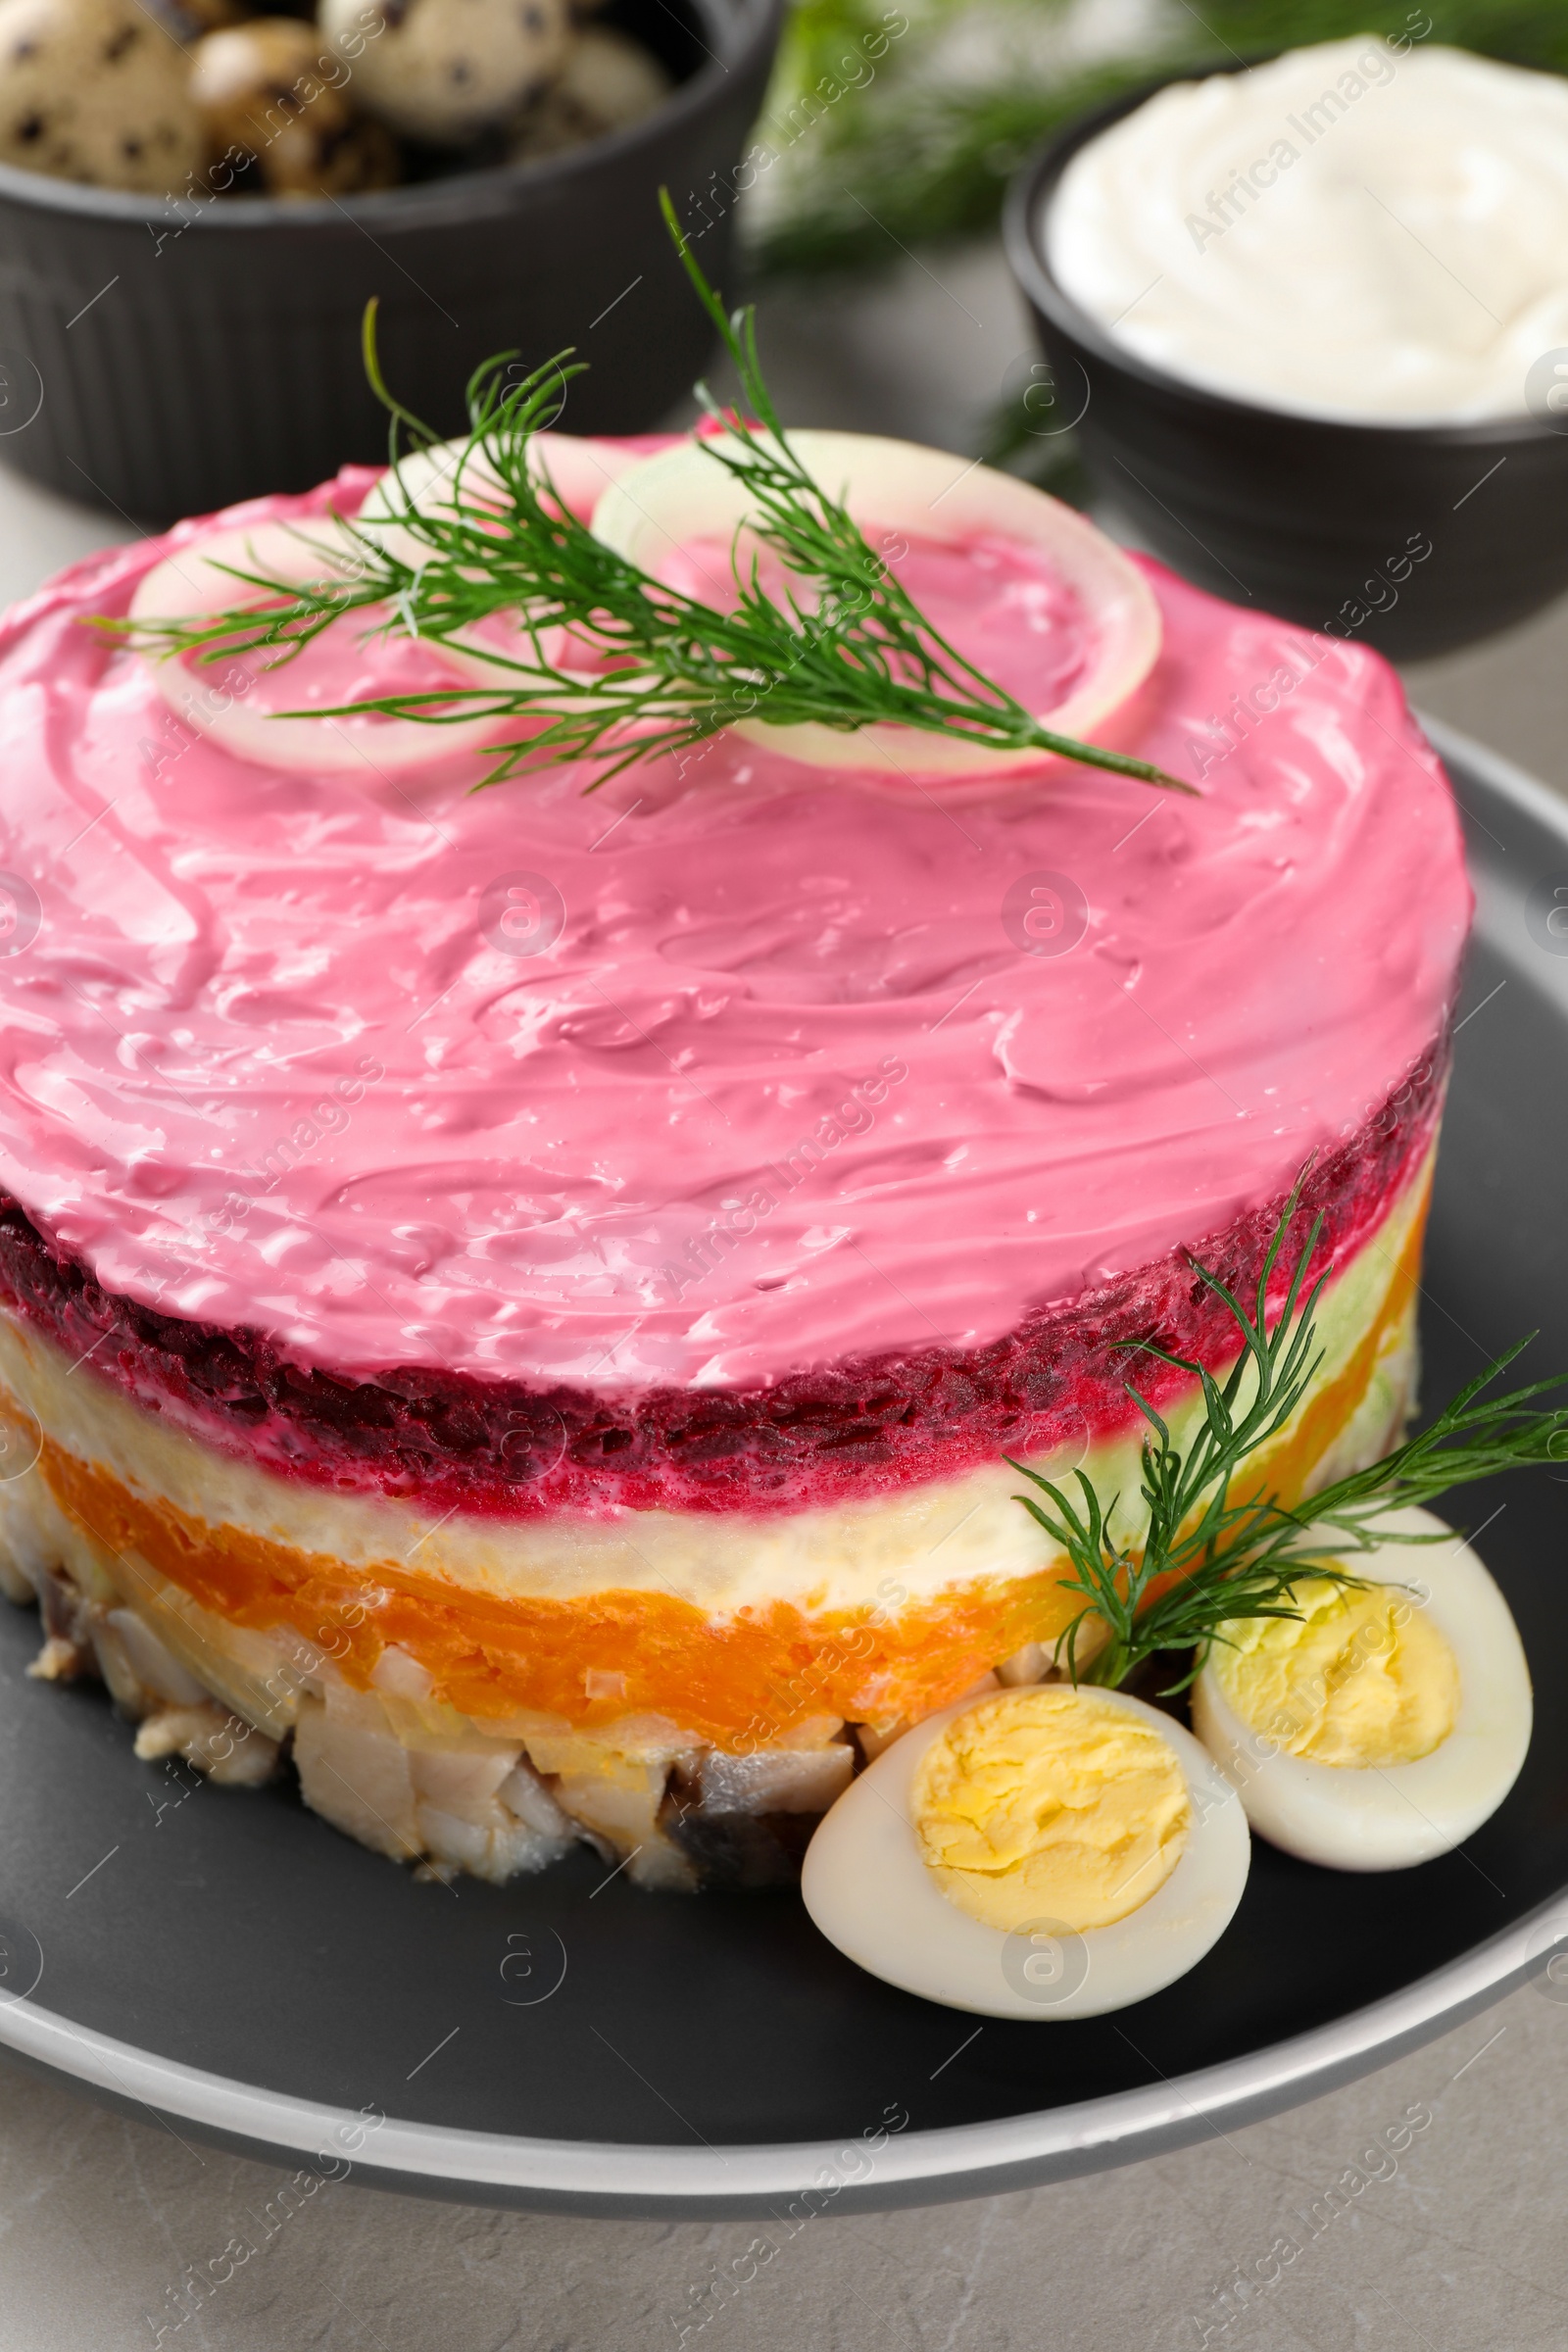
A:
[(443, 71), (1042, 1853), (1388, 1722)]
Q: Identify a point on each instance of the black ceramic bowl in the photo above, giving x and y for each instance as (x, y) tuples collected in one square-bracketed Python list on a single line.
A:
[(1298, 515), (164, 358)]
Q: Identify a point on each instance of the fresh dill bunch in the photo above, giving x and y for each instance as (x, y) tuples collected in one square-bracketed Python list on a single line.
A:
[(926, 152), (1207, 1557), (844, 645), (925, 160)]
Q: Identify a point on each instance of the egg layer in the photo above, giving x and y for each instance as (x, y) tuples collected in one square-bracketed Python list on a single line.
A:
[(1051, 1803), (1361, 1678)]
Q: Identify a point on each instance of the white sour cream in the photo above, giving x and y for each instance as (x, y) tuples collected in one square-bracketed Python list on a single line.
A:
[(1357, 230)]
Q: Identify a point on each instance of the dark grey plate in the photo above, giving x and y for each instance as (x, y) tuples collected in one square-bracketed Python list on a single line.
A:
[(235, 1966)]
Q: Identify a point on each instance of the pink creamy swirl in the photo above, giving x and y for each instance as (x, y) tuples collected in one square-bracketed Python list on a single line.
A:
[(716, 1073), (993, 597)]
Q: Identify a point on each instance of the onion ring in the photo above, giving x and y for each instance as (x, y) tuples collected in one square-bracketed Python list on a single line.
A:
[(683, 495)]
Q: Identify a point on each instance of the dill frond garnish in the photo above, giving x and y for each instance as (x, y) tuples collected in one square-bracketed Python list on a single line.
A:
[(856, 168), (653, 669), (1206, 1557)]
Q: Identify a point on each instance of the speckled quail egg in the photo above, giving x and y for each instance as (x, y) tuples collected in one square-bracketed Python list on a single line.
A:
[(1044, 1854), (1385, 1722), (273, 91), (443, 71), (95, 90), (608, 83)]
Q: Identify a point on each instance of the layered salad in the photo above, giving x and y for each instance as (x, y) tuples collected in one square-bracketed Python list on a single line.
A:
[(526, 1305)]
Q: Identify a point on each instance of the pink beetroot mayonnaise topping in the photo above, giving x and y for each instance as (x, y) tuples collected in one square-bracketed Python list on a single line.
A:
[(730, 1068), (998, 601)]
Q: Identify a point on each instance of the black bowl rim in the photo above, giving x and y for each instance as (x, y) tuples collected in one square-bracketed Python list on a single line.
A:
[(751, 28), (1028, 195)]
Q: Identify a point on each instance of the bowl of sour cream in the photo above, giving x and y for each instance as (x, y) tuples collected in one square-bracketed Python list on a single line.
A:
[(1311, 318)]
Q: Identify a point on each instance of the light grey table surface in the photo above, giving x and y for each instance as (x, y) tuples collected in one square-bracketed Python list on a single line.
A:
[(1308, 2230)]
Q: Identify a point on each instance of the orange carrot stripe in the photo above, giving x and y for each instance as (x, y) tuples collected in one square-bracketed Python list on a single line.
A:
[(739, 1681)]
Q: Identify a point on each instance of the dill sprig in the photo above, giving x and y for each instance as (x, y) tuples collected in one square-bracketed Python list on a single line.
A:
[(1207, 1557), (654, 669), (859, 175)]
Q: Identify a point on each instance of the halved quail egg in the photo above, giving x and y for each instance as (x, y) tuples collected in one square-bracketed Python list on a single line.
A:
[(1385, 1723), (1036, 1853)]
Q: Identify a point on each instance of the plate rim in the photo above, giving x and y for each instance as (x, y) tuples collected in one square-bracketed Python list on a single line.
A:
[(958, 2160), (952, 2161)]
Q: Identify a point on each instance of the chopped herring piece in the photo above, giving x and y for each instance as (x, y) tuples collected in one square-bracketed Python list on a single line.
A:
[(803, 1782), (229, 1751)]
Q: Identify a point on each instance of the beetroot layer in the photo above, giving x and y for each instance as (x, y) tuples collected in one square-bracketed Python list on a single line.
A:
[(850, 1429)]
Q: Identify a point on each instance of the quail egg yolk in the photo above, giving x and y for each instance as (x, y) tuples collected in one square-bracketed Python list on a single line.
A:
[(1051, 1803), (1362, 1678)]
